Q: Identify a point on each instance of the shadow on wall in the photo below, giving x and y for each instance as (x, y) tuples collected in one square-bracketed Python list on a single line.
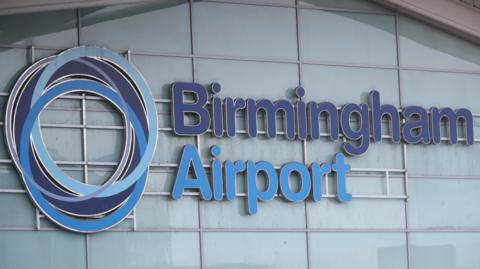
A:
[(438, 257), (20, 27)]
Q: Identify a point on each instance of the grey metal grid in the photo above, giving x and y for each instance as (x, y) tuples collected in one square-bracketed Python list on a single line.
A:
[(167, 168)]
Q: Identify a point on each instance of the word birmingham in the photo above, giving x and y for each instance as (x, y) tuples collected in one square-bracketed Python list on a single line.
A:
[(302, 121)]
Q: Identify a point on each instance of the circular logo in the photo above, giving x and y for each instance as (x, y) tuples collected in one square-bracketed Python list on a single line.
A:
[(75, 205)]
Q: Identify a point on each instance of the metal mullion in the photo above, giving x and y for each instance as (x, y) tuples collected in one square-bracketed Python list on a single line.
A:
[(84, 139), (304, 141), (272, 60), (197, 138), (273, 230), (404, 146), (84, 135)]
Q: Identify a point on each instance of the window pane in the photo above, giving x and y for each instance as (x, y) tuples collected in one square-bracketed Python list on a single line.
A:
[(444, 250), (382, 154), (143, 250), (16, 210), (277, 213), (160, 180), (63, 144), (426, 46), (161, 72), (243, 79), (359, 213), (105, 145), (244, 30), (169, 147), (34, 249), (12, 64), (52, 28), (347, 4), (345, 37), (159, 27), (253, 149), (444, 159), (154, 211), (449, 203), (440, 89), (358, 250), (255, 250), (347, 84), (10, 178)]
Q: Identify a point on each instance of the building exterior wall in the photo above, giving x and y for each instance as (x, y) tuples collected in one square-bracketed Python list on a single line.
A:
[(414, 206)]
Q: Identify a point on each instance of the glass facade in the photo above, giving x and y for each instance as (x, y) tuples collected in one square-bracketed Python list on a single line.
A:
[(414, 206)]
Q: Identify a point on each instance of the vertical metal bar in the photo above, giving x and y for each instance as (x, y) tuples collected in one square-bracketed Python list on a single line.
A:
[(84, 105), (134, 219), (37, 213), (404, 148), (37, 219), (32, 54), (387, 182), (128, 55), (197, 138), (326, 185), (87, 251), (304, 141), (79, 27), (84, 138)]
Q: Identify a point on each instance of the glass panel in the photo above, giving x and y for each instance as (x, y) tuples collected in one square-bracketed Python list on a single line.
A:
[(379, 155), (52, 28), (253, 149), (444, 159), (440, 89), (60, 117), (99, 175), (359, 213), (277, 213), (169, 147), (4, 155), (102, 112), (12, 64), (328, 36), (144, 250), (161, 72), (45, 52), (268, 2), (244, 30), (243, 79), (105, 145), (347, 4), (34, 249), (449, 203), (160, 27), (255, 250), (426, 46), (160, 181), (358, 250), (16, 210), (347, 84), (63, 144), (10, 178), (444, 250), (154, 211)]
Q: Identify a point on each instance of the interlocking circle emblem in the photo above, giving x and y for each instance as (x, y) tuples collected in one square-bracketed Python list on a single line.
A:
[(70, 203)]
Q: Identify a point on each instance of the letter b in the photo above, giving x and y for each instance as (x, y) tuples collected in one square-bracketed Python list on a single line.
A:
[(197, 108)]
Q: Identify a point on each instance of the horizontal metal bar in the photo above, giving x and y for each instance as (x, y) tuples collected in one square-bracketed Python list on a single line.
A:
[(264, 230), (241, 194), (274, 60)]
